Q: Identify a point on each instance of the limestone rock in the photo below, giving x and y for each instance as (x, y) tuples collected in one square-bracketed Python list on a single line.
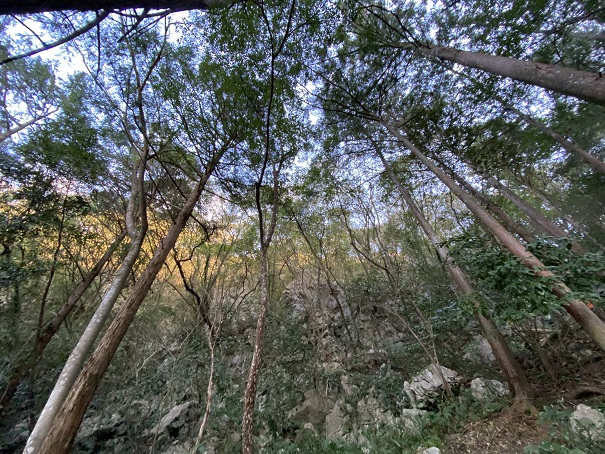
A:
[(335, 422), (313, 409), (589, 422), (411, 419), (432, 450), (483, 389), (426, 388), (101, 428), (347, 386), (479, 351), (371, 413), (173, 420)]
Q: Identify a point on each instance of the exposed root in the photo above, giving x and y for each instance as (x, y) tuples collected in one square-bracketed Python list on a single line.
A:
[(584, 391)]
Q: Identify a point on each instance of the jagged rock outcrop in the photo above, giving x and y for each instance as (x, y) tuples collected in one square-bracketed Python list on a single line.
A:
[(479, 351), (313, 409), (425, 389), (482, 389), (172, 421)]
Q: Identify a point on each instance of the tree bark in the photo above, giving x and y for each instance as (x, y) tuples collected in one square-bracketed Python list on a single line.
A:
[(73, 365), (24, 365), (580, 84), (568, 145), (545, 224), (512, 225), (44, 6), (587, 319), (510, 367), (65, 427), (250, 393)]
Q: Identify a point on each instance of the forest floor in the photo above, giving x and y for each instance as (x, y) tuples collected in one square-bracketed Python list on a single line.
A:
[(507, 432), (500, 434)]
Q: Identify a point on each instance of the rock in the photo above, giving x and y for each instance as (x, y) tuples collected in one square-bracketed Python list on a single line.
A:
[(589, 422), (371, 413), (335, 423), (483, 389), (426, 388), (479, 351), (100, 428), (347, 387), (173, 420), (432, 450), (313, 409), (411, 420), (176, 448)]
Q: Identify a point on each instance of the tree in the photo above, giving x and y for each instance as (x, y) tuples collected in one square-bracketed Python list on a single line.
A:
[(383, 27), (511, 370), (67, 421), (29, 7)]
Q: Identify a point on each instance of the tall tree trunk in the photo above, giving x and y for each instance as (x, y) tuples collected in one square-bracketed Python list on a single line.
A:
[(587, 319), (250, 393), (65, 426), (580, 84), (23, 365), (545, 224), (511, 369), (76, 359), (512, 225), (78, 355), (571, 147), (36, 6)]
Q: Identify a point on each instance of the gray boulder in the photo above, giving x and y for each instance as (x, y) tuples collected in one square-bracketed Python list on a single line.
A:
[(479, 351), (486, 390), (432, 450), (411, 419), (335, 422), (172, 421), (425, 389), (589, 422), (313, 409)]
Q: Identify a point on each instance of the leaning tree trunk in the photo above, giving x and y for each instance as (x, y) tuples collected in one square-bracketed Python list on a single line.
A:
[(510, 367), (571, 147), (65, 426), (20, 127), (23, 365), (512, 225), (37, 6), (546, 225), (580, 84), (78, 355), (586, 318)]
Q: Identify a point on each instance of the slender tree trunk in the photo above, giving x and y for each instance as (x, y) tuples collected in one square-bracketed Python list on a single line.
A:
[(511, 369), (250, 394), (587, 319), (512, 225), (545, 224), (571, 147), (37, 6), (76, 359), (65, 427), (580, 84), (22, 367)]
